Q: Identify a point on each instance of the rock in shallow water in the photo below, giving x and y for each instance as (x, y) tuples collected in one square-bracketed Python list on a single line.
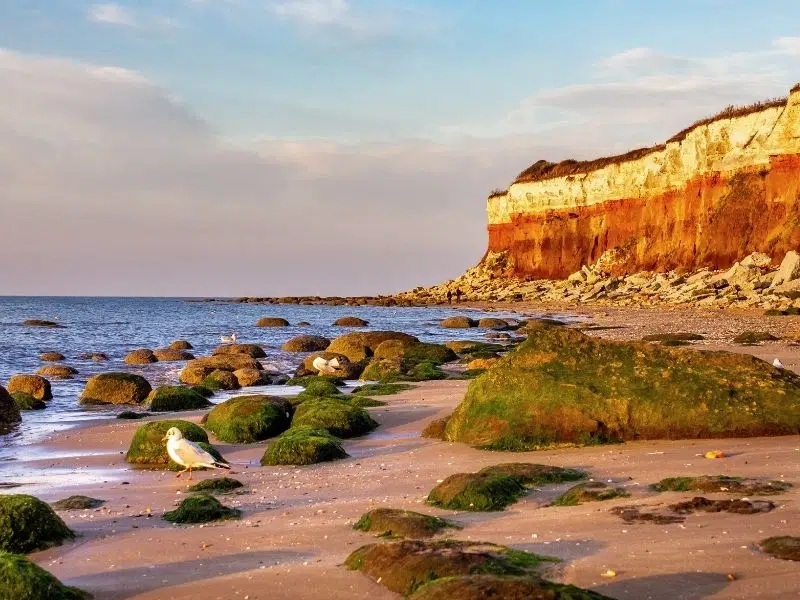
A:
[(115, 388)]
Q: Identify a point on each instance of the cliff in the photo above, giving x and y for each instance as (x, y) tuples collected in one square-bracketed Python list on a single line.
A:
[(723, 188)]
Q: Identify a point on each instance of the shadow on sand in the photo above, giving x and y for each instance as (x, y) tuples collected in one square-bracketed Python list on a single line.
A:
[(681, 586)]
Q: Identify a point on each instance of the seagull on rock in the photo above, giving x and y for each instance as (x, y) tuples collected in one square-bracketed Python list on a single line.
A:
[(188, 454), (777, 363), (328, 367), (228, 339)]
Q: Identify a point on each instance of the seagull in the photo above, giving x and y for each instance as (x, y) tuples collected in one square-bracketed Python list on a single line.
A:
[(188, 454), (228, 339), (777, 363), (325, 366)]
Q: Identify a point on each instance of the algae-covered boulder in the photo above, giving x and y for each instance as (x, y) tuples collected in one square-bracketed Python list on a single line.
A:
[(381, 389), (51, 356), (436, 354), (180, 345), (394, 522), (340, 418), (483, 587), (77, 503), (27, 402), (167, 398), (321, 387), (35, 385), (141, 356), (345, 369), (476, 492), (249, 419), (272, 322), (195, 371), (217, 485), (57, 371), (435, 429), (493, 323), (382, 370), (148, 448), (251, 377), (458, 323), (786, 547), (358, 345), (303, 446), (391, 349), (27, 524), (172, 355), (751, 338), (722, 484), (533, 475), (563, 387), (306, 343), (115, 388), (589, 491), (251, 350), (22, 579), (94, 356), (201, 508), (405, 565), (9, 411), (350, 322), (221, 380)]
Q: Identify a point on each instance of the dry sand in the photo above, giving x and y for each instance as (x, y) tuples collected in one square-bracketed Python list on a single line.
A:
[(297, 524)]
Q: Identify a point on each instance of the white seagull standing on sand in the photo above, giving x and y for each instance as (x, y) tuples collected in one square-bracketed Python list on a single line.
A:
[(325, 366), (777, 363), (188, 454), (228, 339)]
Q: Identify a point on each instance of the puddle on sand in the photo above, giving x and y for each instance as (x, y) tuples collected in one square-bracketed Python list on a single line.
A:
[(29, 481), (406, 435)]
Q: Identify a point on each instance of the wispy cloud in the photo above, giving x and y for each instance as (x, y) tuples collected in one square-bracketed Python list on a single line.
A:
[(112, 14)]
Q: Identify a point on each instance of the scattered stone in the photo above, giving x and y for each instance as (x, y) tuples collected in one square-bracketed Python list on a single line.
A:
[(181, 345), (458, 323), (42, 323), (95, 356), (483, 587), (350, 322), (739, 507), (590, 491), (77, 503), (167, 398), (720, 484), (27, 524), (142, 356), (338, 417), (248, 419), (217, 485), (272, 322), (251, 350), (172, 355), (51, 356), (23, 579), (57, 371), (789, 270), (785, 547), (303, 446), (27, 402), (115, 388), (397, 523), (34, 385), (751, 338), (306, 343), (476, 492), (201, 509)]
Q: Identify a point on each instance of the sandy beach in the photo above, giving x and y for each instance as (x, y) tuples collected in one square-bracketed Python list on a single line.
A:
[(296, 528)]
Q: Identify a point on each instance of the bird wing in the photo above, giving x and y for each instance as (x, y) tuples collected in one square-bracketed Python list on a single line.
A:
[(192, 455)]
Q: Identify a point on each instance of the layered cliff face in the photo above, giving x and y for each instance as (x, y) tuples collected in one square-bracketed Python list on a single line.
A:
[(708, 197)]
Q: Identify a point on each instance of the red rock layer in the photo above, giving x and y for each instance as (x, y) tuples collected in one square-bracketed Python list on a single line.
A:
[(712, 222)]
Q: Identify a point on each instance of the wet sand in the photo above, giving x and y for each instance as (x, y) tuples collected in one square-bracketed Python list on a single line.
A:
[(296, 529)]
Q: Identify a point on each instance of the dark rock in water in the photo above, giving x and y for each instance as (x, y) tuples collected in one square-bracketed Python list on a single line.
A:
[(272, 322), (336, 416), (115, 388), (172, 355), (180, 345), (168, 398), (51, 356), (303, 446), (35, 385), (27, 524), (590, 491), (554, 389), (27, 402), (403, 566), (129, 414), (482, 587), (393, 522), (722, 484), (22, 579), (306, 343), (9, 411), (95, 356), (77, 503), (57, 371), (249, 419), (219, 485), (786, 547), (350, 322), (251, 350), (201, 509), (739, 507), (304, 324), (142, 356), (42, 323)]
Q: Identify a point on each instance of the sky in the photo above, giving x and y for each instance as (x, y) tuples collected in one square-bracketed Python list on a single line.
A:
[(331, 147)]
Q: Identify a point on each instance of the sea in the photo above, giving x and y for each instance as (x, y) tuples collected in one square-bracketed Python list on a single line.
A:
[(115, 326)]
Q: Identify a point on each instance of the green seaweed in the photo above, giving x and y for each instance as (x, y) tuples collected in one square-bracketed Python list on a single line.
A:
[(303, 446), (22, 579)]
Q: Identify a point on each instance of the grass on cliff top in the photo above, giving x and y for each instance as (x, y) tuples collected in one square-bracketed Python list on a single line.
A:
[(397, 523)]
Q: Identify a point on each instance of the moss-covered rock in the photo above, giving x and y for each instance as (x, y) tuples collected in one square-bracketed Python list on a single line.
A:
[(251, 350), (358, 345), (436, 354), (51, 356), (115, 388), (9, 411), (27, 402), (306, 343), (303, 446), (251, 377), (321, 387), (493, 323), (382, 370), (132, 415), (673, 337), (589, 491), (57, 371), (272, 322), (305, 380), (786, 547), (27, 524), (458, 323), (476, 364), (533, 475), (350, 322), (22, 579), (345, 370), (561, 387), (148, 448), (172, 355), (94, 356), (482, 587), (476, 492), (406, 565), (391, 349), (141, 356), (397, 523), (35, 385), (722, 484), (221, 380), (201, 508), (751, 338), (167, 398), (249, 419), (364, 402), (77, 503), (462, 346), (181, 345), (424, 371), (217, 485), (435, 429), (198, 369), (336, 416)]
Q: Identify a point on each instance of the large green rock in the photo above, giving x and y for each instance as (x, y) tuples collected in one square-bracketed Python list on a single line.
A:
[(115, 388), (561, 387), (358, 345), (339, 417), (249, 419), (22, 579), (148, 448), (27, 524), (394, 523), (167, 398), (201, 508), (35, 385), (27, 402), (303, 446)]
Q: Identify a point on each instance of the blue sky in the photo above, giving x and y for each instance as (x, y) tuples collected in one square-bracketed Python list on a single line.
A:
[(371, 127)]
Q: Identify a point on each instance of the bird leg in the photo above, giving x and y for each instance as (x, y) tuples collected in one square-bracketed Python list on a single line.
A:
[(190, 473), (179, 473)]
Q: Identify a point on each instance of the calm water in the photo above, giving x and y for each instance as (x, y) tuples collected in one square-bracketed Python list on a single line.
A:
[(118, 325)]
